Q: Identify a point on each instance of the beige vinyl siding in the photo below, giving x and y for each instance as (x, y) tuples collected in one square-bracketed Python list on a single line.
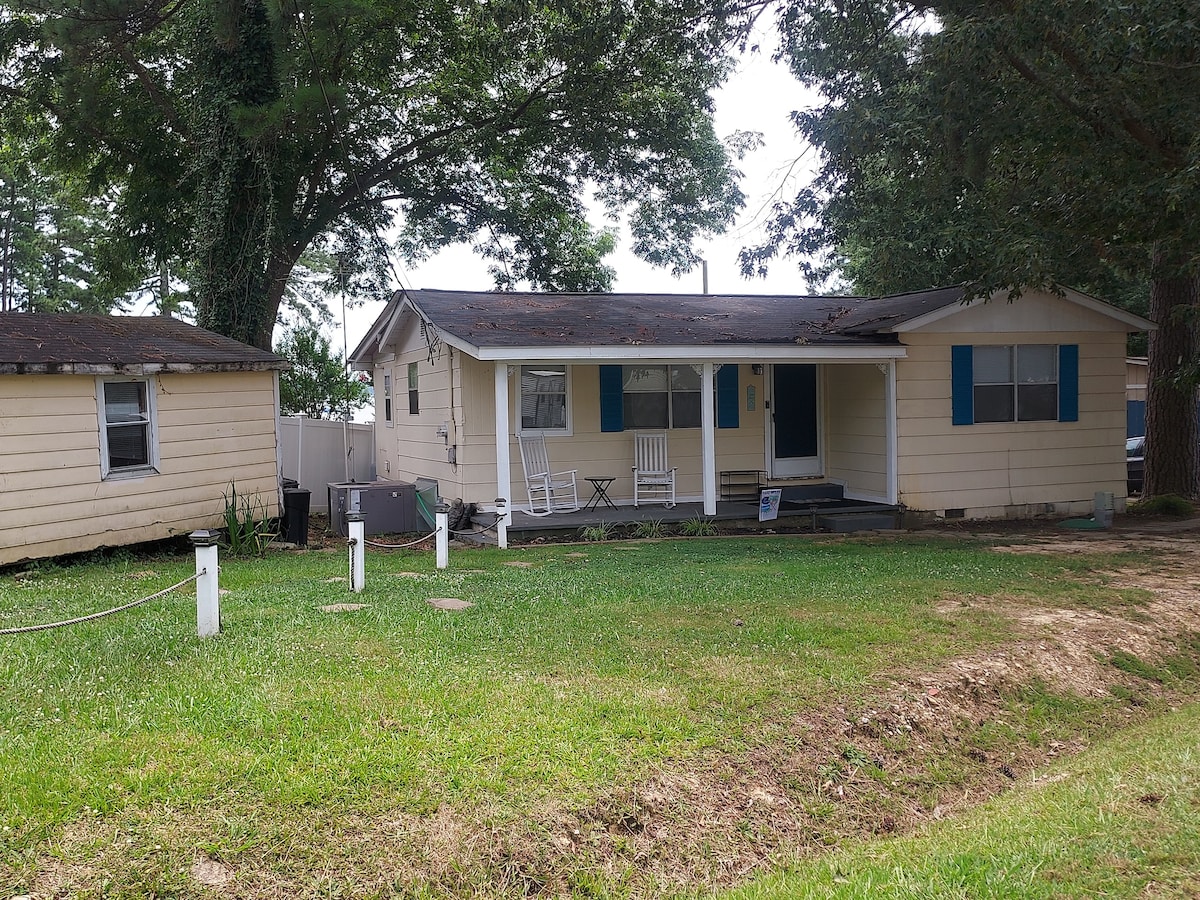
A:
[(1136, 375), (1012, 468), (412, 448), (212, 429), (856, 429)]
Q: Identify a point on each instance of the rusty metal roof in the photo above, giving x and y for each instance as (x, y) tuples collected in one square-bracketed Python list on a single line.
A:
[(44, 343), (485, 319)]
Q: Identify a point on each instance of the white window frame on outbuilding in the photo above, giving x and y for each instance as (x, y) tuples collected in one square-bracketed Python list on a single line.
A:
[(146, 418)]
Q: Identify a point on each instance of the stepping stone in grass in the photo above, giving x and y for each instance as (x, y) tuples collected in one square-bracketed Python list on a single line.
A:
[(449, 603), (343, 607), (576, 556), (519, 564), (407, 575)]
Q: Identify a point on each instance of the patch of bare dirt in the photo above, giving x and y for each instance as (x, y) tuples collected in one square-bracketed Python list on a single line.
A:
[(912, 752)]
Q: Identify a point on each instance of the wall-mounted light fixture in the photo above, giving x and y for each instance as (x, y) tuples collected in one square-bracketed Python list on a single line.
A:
[(757, 368)]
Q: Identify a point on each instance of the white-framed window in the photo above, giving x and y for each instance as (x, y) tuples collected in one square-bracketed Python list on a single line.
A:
[(1016, 383), (545, 398), (128, 431), (414, 394), (661, 396), (387, 399)]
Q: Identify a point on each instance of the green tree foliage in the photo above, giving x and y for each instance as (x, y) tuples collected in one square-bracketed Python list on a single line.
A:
[(241, 133), (1011, 144), (316, 385), (50, 240)]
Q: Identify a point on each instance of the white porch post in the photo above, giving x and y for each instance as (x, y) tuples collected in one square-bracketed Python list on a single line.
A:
[(503, 463), (893, 459), (708, 440)]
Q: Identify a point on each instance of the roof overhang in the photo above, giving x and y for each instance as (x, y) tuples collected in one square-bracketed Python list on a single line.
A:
[(731, 353), (1129, 320), (136, 369)]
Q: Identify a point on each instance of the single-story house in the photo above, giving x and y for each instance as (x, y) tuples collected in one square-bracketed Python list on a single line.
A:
[(121, 429), (948, 407)]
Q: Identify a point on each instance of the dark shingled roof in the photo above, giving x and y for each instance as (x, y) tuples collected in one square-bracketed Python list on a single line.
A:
[(81, 344), (485, 319)]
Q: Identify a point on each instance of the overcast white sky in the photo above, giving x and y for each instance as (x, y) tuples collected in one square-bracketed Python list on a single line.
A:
[(758, 97)]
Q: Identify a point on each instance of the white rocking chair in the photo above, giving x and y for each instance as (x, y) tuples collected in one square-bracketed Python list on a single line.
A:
[(652, 472), (549, 492)]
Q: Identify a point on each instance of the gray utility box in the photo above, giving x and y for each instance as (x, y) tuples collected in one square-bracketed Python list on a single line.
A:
[(388, 507)]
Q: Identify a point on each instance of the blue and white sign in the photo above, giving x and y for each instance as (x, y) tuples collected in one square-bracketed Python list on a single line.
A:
[(768, 504)]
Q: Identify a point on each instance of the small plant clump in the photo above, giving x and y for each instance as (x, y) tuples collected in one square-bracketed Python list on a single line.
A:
[(652, 528), (697, 526), (602, 532), (248, 528)]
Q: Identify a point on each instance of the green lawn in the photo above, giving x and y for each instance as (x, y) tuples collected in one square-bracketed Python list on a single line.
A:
[(129, 746)]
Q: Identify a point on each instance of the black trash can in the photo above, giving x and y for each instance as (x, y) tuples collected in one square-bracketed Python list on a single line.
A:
[(295, 516)]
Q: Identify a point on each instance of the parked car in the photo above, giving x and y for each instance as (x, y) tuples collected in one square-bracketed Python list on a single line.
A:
[(1135, 463)]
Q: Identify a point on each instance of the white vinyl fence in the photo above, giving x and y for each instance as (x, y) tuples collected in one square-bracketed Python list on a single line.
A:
[(316, 452)]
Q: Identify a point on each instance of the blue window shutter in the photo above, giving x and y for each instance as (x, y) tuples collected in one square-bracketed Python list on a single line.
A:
[(962, 384), (612, 401), (727, 396), (1068, 382)]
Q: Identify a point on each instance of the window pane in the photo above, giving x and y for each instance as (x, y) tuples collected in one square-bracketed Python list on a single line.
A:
[(993, 365), (645, 410), (1037, 363), (993, 402), (684, 378), (412, 376), (543, 398), (644, 378), (128, 446), (685, 409), (1037, 402), (125, 401)]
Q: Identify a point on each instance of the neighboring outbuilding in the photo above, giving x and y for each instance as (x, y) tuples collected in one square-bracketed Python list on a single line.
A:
[(117, 430), (948, 407)]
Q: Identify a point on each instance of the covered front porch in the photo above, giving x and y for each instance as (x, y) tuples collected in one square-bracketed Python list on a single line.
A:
[(804, 416)]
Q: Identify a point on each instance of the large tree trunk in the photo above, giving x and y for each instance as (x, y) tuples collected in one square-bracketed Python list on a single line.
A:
[(1171, 428), (235, 211)]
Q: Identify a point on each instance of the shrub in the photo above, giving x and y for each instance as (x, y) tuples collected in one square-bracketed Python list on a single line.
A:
[(698, 527), (601, 532), (652, 528), (1164, 505)]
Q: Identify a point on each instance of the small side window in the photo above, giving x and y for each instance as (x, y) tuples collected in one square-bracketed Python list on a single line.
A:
[(387, 398), (414, 399), (128, 443)]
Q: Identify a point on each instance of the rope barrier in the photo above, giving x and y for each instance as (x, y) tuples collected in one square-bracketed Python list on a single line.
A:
[(483, 530), (420, 540), (96, 615)]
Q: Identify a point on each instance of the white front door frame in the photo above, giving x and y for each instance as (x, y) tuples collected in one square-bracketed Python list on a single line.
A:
[(795, 467)]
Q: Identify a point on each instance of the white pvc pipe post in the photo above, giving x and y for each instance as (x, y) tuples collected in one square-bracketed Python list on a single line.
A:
[(357, 530), (502, 515), (208, 596), (442, 523)]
